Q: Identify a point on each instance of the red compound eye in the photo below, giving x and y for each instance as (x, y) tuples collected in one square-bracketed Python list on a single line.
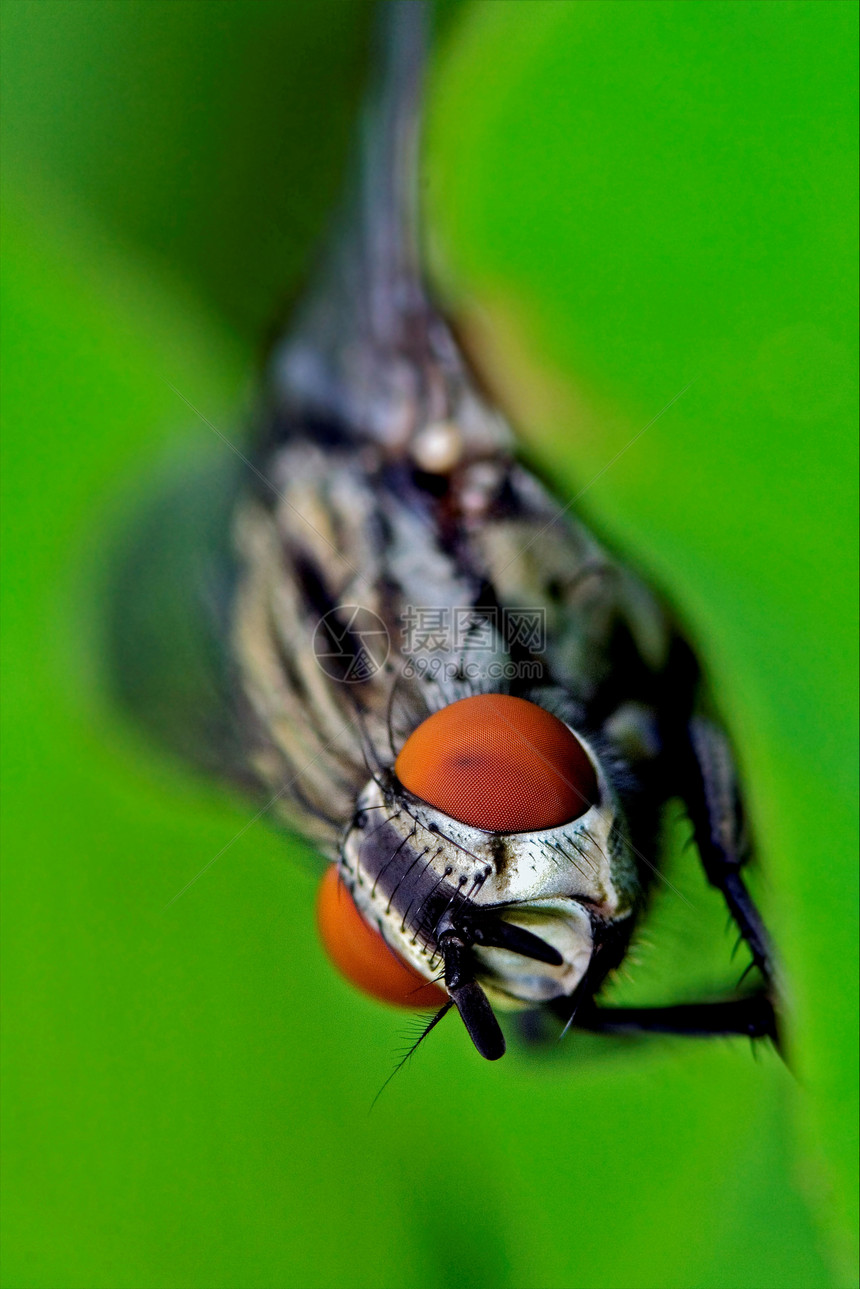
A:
[(498, 763), (362, 955)]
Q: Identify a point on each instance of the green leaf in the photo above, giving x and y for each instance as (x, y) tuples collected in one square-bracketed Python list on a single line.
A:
[(624, 198)]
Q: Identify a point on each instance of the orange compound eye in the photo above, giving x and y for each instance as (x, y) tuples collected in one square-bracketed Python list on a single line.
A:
[(498, 763), (362, 956)]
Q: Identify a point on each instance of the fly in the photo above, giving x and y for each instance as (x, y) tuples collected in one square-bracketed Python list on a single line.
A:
[(433, 670)]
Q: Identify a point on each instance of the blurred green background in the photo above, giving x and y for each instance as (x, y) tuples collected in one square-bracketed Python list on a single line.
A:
[(622, 198)]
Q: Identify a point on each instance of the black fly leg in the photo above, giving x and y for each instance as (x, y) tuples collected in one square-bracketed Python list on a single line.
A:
[(709, 789), (705, 779), (753, 1016)]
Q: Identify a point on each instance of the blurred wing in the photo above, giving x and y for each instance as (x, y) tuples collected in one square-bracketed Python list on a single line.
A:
[(171, 584)]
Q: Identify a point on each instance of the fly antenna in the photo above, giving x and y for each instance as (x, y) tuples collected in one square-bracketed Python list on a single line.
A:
[(495, 932), (431, 1024), (471, 1001)]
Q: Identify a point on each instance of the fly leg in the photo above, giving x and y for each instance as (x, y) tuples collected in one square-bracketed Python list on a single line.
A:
[(753, 1016), (708, 786), (705, 779)]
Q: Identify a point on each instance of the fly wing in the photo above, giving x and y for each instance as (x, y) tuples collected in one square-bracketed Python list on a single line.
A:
[(170, 587)]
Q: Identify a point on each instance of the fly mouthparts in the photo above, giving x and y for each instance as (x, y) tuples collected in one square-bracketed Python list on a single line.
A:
[(496, 933)]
